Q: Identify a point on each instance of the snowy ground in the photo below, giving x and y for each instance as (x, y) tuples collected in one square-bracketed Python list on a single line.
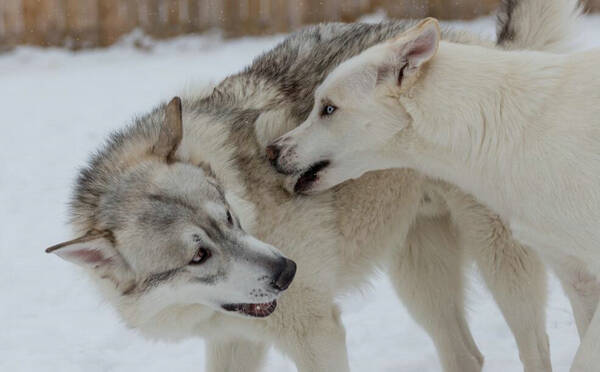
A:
[(56, 108)]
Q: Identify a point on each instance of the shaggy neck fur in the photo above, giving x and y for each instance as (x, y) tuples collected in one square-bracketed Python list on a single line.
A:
[(471, 111)]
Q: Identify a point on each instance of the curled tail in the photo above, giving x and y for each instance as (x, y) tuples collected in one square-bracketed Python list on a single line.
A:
[(544, 25)]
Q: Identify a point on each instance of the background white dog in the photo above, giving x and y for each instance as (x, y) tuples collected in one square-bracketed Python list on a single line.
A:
[(519, 130)]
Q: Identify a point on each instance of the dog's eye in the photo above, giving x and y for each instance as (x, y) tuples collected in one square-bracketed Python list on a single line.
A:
[(202, 254), (328, 110), (229, 218)]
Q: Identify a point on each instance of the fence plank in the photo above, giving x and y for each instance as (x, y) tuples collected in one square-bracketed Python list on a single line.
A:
[(254, 23), (149, 16), (173, 24), (231, 18), (116, 18), (12, 23), (313, 11), (214, 14), (195, 22), (350, 10), (109, 22), (279, 18), (82, 24)]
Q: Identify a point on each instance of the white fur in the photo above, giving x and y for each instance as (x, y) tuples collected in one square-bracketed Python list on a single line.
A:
[(543, 25), (519, 130)]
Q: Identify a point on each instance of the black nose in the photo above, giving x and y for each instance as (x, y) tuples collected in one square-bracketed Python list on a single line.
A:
[(273, 152), (283, 279)]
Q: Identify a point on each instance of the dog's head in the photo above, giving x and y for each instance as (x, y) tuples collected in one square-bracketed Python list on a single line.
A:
[(160, 233), (356, 114)]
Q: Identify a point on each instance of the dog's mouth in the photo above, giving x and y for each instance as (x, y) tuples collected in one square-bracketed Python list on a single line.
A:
[(310, 176), (253, 310)]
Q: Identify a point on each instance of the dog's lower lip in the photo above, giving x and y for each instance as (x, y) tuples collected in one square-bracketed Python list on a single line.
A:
[(307, 178), (254, 310)]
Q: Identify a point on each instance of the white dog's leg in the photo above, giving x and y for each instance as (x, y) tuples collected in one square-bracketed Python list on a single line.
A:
[(588, 355), (427, 275), (581, 287), (514, 274), (517, 280), (234, 356), (318, 344)]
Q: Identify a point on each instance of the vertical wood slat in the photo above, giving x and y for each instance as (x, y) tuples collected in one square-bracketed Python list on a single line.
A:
[(173, 25), (195, 21), (81, 18), (215, 13), (12, 23), (149, 16), (280, 17), (254, 24), (44, 22), (109, 21), (313, 11), (231, 18), (349, 10), (116, 18)]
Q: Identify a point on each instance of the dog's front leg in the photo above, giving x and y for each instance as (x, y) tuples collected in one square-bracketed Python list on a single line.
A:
[(427, 275), (319, 344), (234, 356), (515, 275)]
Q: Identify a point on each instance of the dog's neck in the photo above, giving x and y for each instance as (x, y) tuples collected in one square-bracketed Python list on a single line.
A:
[(471, 110)]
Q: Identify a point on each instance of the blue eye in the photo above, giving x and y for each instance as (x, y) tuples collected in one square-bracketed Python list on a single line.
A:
[(328, 110)]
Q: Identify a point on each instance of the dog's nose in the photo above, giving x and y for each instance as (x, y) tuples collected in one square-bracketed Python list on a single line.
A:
[(283, 279), (273, 152)]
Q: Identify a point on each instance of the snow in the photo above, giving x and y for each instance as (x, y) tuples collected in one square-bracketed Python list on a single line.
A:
[(57, 107)]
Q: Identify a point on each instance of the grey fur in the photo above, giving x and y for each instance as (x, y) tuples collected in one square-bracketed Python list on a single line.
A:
[(505, 31), (279, 85)]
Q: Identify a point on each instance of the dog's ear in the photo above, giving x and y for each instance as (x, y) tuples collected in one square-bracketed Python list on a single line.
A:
[(414, 48), (171, 131), (95, 250)]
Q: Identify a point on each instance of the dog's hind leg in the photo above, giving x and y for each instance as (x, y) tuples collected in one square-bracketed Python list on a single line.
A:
[(514, 274), (517, 280), (427, 275), (234, 356)]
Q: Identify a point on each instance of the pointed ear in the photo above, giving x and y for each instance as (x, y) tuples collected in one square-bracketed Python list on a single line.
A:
[(94, 250), (416, 46), (171, 131), (424, 43)]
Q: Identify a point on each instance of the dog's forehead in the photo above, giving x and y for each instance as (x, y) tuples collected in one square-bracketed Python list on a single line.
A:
[(177, 204), (187, 179), (348, 78), (184, 194)]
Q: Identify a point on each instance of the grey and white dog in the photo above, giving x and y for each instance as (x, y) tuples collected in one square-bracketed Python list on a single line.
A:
[(163, 217)]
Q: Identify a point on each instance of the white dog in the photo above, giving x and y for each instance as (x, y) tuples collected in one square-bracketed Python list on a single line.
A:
[(519, 130)]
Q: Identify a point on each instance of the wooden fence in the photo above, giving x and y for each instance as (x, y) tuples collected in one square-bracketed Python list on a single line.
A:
[(88, 23)]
